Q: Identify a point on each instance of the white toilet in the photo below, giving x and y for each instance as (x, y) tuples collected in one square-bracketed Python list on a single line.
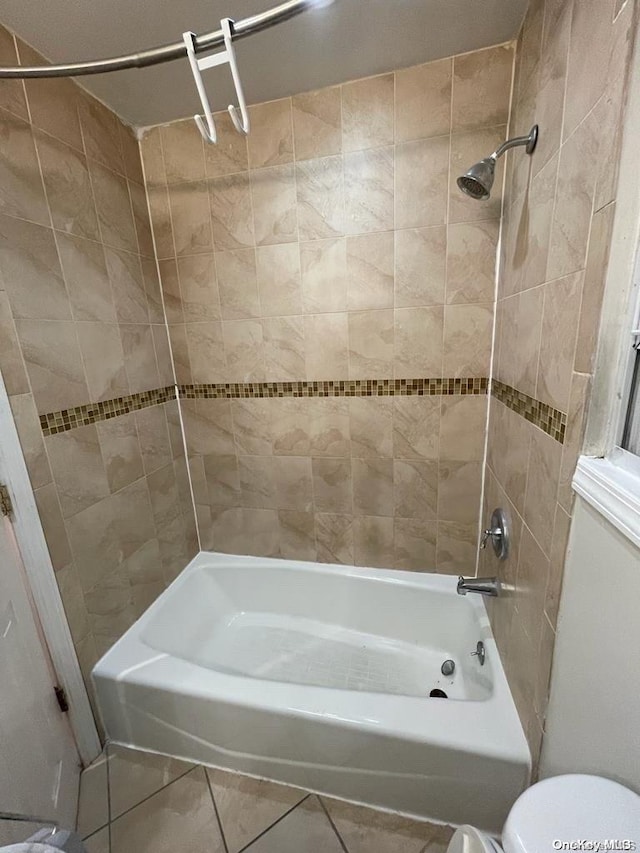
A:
[(550, 815)]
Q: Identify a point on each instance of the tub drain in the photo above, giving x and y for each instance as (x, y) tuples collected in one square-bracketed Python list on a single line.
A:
[(436, 693)]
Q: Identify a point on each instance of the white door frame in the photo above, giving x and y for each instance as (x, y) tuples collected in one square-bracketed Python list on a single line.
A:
[(44, 587)]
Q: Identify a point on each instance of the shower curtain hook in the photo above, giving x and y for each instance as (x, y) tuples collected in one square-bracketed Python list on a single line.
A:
[(240, 118), (208, 132), (241, 122)]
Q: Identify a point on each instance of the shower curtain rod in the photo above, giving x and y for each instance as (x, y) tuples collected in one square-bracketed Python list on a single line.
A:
[(166, 52)]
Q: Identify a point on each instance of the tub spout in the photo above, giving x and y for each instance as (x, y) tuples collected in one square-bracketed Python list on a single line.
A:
[(483, 586)]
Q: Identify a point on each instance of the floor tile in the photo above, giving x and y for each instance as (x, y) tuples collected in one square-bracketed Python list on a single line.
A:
[(180, 817), (98, 842), (247, 806), (93, 802), (364, 830), (134, 776), (304, 830)]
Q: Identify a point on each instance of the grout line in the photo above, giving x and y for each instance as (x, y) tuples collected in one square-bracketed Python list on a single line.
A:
[(144, 800), (333, 826), (270, 827), (215, 808)]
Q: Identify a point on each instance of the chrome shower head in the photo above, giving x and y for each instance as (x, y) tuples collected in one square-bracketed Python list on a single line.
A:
[(477, 182)]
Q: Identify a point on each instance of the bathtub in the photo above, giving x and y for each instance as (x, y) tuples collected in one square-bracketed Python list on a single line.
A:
[(319, 676)]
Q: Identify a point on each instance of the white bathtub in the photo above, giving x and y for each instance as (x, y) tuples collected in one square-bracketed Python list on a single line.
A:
[(319, 676)]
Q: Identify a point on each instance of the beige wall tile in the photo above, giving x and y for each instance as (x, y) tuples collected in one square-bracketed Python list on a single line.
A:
[(520, 345), (373, 486), (459, 491), (68, 187), (21, 188), (423, 100), (73, 602), (542, 486), (284, 348), (558, 344), (54, 365), (279, 279), (31, 440), (330, 426), (208, 351), (31, 271), (139, 357), (471, 261), (271, 137), (416, 423), (291, 428), (332, 485), (103, 358), (420, 261), (261, 532), (183, 150), (100, 133), (418, 342), (53, 525), (334, 538), (324, 275), (153, 434), (127, 285), (414, 544), (370, 271), (294, 483), (208, 427), (223, 480), (533, 571), (11, 361), (320, 198), (258, 486), (371, 422), (238, 284), (180, 351), (481, 87), (367, 113), (199, 288), (369, 190), (162, 227), (561, 528), (120, 448), (574, 201), (252, 427), (467, 340), (373, 541), (78, 469), (87, 281), (574, 436), (13, 94), (462, 428), (326, 339), (422, 172), (231, 212), (191, 218), (371, 336), (456, 549), (231, 152), (113, 205), (415, 488), (317, 123), (593, 288), (297, 535), (273, 192)]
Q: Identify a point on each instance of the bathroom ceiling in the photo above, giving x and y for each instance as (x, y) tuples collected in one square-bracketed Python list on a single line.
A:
[(348, 39)]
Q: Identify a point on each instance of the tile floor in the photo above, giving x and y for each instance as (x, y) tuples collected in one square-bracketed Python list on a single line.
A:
[(133, 802)]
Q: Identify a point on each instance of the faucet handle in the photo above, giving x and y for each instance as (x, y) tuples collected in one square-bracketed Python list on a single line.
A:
[(490, 533)]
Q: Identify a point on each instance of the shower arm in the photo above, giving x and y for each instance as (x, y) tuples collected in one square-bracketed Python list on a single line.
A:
[(167, 52), (529, 141)]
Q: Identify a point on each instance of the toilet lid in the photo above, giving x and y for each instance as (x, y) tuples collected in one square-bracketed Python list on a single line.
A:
[(467, 839), (572, 808)]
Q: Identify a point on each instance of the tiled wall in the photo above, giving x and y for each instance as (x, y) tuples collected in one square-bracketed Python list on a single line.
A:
[(81, 323), (333, 245), (571, 64)]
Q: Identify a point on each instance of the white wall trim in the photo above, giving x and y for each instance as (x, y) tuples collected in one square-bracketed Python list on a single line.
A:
[(43, 584), (612, 491)]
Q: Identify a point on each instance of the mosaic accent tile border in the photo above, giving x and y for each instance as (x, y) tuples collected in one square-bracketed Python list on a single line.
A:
[(549, 420), (91, 413), (337, 388)]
